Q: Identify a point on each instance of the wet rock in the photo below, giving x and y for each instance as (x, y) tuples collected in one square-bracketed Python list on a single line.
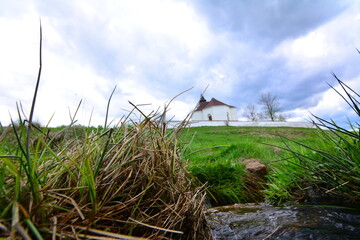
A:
[(262, 221)]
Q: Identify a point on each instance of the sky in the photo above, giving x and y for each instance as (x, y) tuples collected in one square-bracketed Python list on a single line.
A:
[(153, 50)]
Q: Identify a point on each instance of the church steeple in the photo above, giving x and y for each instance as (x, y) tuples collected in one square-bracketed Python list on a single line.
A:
[(202, 99)]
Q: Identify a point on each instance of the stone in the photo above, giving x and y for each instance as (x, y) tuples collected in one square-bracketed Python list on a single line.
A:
[(255, 167)]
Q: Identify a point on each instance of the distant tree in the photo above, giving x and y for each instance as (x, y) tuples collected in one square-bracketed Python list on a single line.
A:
[(251, 113), (270, 105), (282, 117)]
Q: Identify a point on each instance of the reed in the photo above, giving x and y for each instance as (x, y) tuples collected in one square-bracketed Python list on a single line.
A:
[(330, 169)]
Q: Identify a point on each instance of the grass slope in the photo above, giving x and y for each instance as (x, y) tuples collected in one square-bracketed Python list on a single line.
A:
[(215, 155)]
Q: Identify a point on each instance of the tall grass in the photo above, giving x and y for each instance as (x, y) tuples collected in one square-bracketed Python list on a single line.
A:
[(107, 183), (327, 172)]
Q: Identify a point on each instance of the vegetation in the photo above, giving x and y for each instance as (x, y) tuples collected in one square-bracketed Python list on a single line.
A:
[(270, 105), (133, 179), (251, 113), (216, 153), (326, 172), (97, 183), (321, 165)]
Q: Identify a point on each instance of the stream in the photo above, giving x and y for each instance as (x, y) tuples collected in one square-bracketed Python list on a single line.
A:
[(262, 221)]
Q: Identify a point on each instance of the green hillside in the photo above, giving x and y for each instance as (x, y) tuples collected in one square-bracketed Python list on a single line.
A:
[(215, 157)]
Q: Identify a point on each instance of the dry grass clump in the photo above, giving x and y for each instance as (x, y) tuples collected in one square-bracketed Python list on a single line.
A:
[(126, 180), (110, 183)]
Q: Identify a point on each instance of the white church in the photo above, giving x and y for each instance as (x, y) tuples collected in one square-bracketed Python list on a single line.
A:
[(216, 113), (214, 110)]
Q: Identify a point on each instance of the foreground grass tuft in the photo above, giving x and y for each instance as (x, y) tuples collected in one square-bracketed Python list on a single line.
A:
[(327, 172), (97, 183), (126, 180)]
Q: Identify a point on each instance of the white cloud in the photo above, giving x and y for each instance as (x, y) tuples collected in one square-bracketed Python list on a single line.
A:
[(153, 50), (66, 78), (159, 18), (331, 104), (324, 47)]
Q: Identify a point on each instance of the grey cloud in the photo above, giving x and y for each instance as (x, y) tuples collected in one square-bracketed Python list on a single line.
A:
[(267, 23), (237, 62), (155, 57)]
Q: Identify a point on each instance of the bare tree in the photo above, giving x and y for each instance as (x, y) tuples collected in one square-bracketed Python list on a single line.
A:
[(271, 105), (282, 117), (251, 113)]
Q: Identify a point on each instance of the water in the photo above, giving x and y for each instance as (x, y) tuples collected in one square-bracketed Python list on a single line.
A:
[(261, 221)]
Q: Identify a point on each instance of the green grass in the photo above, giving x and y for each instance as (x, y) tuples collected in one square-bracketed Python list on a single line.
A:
[(299, 161), (331, 168), (326, 172), (242, 142), (215, 155)]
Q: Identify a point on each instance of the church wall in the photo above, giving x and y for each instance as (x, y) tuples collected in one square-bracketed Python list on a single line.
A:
[(197, 115), (233, 114), (217, 113)]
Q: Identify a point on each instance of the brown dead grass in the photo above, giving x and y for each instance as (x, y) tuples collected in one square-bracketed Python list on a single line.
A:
[(116, 183)]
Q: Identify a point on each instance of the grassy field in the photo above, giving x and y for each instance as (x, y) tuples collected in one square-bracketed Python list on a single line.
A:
[(215, 155), (249, 142), (312, 165), (134, 179)]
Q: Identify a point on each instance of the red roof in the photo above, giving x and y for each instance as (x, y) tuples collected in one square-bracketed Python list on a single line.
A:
[(212, 102)]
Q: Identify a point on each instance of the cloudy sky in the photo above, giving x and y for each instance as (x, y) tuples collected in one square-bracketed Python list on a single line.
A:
[(152, 50)]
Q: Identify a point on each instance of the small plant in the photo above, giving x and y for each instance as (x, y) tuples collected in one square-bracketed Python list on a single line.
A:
[(225, 181)]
